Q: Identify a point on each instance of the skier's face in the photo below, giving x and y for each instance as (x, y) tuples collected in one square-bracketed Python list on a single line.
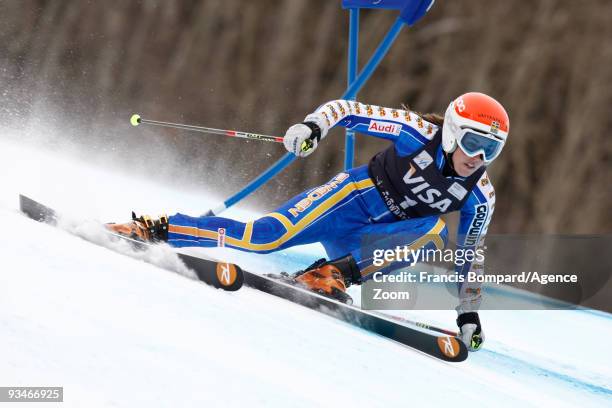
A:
[(465, 165)]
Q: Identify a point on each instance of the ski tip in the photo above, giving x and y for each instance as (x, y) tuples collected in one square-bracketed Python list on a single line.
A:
[(35, 210), (452, 349), (229, 276), (23, 202), (135, 119)]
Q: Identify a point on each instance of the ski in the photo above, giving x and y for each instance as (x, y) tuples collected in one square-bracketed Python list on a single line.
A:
[(221, 275), (444, 347)]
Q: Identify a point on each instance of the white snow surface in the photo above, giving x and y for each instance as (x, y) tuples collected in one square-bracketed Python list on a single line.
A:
[(115, 331)]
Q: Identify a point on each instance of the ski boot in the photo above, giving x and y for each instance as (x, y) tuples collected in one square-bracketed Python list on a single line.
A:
[(328, 278), (143, 228)]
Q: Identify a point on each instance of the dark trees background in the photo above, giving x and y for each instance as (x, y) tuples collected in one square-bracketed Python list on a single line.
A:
[(82, 67)]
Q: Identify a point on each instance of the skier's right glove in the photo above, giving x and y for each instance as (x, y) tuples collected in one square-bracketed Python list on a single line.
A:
[(302, 139), (471, 332)]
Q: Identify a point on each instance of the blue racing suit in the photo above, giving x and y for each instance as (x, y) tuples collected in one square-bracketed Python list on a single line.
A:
[(341, 212)]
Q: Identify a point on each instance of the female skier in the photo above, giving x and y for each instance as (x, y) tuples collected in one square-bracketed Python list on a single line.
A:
[(436, 165)]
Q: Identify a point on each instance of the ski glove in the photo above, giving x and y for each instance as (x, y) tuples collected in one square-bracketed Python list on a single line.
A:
[(302, 139), (470, 331)]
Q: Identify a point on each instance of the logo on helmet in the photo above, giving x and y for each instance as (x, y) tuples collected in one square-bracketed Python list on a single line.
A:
[(494, 127), (460, 104)]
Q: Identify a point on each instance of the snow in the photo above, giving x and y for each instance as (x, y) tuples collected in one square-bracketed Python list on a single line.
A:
[(115, 331)]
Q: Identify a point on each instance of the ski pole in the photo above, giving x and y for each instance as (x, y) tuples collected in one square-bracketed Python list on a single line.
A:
[(136, 120), (419, 324)]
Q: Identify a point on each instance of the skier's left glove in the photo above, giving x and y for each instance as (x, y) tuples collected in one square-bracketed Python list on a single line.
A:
[(471, 332)]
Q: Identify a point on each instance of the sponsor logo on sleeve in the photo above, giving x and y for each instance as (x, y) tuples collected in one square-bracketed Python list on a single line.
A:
[(477, 225), (327, 119), (333, 111), (385, 127), (457, 190)]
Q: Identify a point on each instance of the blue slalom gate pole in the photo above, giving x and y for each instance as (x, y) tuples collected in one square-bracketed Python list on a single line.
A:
[(350, 93), (379, 54), (349, 143), (411, 12), (272, 171)]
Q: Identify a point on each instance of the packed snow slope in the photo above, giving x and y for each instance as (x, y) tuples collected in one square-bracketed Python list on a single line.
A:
[(115, 331)]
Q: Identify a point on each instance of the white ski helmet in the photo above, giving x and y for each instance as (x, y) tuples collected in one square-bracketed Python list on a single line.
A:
[(478, 124)]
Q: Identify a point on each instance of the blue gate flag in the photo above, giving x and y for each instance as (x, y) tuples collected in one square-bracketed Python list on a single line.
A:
[(411, 10), (384, 4)]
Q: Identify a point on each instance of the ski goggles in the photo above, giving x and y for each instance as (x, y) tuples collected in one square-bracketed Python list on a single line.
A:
[(473, 142)]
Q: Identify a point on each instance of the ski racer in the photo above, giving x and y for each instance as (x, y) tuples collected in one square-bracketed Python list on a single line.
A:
[(436, 165)]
